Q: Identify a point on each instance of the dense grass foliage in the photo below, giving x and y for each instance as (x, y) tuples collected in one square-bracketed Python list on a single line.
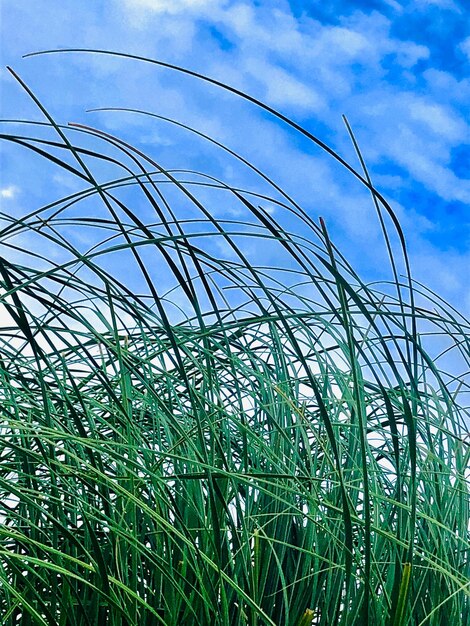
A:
[(192, 436)]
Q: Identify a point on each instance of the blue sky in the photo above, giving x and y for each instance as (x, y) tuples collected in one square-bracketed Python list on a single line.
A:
[(398, 70)]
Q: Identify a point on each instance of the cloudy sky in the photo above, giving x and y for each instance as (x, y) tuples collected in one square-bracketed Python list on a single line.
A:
[(398, 70)]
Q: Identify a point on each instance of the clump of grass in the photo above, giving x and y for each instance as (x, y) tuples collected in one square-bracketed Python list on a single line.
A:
[(205, 440)]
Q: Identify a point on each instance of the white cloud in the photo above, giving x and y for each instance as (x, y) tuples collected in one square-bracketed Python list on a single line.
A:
[(9, 192), (241, 18), (465, 47), (395, 5), (440, 4), (409, 53), (345, 42), (282, 88), (436, 177), (442, 86), (317, 70), (172, 7), (274, 31), (419, 136), (439, 120)]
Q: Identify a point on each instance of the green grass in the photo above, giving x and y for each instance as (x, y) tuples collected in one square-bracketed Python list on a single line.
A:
[(191, 438)]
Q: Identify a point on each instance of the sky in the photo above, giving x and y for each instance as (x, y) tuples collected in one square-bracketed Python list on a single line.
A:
[(398, 70)]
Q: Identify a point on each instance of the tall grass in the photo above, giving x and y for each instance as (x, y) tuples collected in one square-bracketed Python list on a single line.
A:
[(191, 437)]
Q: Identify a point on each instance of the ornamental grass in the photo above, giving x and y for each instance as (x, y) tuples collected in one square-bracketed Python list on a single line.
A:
[(193, 436)]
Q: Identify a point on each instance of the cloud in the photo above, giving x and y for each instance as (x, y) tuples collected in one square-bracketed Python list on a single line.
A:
[(419, 136), (437, 119), (465, 47), (312, 69), (172, 7), (396, 6), (283, 89), (274, 30), (443, 87), (334, 63), (9, 192), (449, 5)]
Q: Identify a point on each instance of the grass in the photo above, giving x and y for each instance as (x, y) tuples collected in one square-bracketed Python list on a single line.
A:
[(188, 437)]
